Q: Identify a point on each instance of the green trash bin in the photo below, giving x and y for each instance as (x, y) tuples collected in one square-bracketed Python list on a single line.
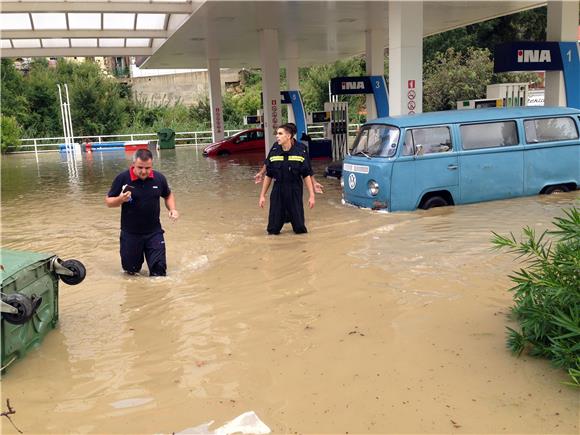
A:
[(29, 304), (166, 138)]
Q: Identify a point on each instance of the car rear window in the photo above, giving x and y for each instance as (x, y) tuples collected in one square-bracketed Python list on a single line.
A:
[(489, 135), (550, 129)]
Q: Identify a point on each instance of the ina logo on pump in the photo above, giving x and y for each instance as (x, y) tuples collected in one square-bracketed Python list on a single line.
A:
[(352, 181)]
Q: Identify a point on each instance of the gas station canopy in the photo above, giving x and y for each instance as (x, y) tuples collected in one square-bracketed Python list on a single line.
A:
[(177, 33), (322, 31)]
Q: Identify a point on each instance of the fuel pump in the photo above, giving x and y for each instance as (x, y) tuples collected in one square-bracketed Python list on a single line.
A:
[(337, 128), (338, 125), (254, 119)]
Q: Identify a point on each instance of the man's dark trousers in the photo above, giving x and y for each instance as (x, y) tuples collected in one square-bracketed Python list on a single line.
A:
[(135, 247)]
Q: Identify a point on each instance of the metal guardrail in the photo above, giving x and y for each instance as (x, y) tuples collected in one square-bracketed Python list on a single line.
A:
[(183, 138)]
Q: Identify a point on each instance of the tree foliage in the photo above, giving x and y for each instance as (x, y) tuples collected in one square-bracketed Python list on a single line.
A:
[(97, 101), (32, 99), (12, 100), (453, 76), (10, 133), (547, 293)]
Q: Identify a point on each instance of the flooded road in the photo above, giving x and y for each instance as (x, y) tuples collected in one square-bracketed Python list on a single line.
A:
[(370, 323)]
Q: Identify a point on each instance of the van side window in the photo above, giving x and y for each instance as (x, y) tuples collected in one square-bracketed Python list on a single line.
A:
[(489, 135), (429, 140), (408, 146), (550, 129)]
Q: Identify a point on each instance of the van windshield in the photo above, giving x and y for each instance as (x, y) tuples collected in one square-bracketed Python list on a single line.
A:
[(376, 140)]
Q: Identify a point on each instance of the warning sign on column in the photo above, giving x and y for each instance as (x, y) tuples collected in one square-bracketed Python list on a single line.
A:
[(218, 120), (274, 114), (411, 95)]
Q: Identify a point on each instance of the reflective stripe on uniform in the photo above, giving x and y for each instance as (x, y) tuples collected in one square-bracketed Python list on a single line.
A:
[(277, 158), (296, 158)]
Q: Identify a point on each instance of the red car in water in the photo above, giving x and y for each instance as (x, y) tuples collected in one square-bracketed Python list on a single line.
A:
[(244, 141)]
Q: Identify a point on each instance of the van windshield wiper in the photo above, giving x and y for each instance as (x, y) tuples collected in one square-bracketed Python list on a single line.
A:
[(363, 153)]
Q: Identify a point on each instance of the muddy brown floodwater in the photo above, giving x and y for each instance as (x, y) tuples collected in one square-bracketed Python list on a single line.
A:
[(370, 323)]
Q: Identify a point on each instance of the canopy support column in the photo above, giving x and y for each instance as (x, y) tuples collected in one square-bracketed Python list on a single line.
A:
[(270, 84), (375, 63), (562, 26), (215, 99), (405, 57)]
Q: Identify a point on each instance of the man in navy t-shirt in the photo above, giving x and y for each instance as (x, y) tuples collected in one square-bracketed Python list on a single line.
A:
[(138, 191)]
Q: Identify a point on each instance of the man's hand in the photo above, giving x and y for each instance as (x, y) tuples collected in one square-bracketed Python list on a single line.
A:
[(258, 178), (173, 215), (318, 188), (311, 202), (125, 196), (262, 201)]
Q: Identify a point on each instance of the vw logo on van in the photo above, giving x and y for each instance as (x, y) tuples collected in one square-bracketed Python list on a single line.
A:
[(352, 181)]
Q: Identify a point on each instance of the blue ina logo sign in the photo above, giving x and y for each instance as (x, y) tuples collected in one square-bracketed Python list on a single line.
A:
[(534, 56), (351, 85), (527, 56), (543, 56)]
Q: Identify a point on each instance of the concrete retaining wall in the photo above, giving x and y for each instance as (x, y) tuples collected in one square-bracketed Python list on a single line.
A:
[(186, 88)]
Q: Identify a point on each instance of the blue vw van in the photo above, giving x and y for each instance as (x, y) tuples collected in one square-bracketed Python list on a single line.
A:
[(462, 156)]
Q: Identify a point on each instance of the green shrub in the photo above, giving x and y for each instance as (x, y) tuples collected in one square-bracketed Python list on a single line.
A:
[(10, 133), (547, 293)]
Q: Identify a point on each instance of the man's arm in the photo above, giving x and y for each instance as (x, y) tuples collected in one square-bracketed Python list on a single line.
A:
[(118, 193), (170, 205), (117, 201), (260, 175), (310, 186), (318, 188), (265, 187)]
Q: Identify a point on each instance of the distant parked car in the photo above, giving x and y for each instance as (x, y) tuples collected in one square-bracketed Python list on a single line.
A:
[(245, 141)]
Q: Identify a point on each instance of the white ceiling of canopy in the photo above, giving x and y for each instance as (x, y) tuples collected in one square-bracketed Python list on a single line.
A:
[(88, 28)]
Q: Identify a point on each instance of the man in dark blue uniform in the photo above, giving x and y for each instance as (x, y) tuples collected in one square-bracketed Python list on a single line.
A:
[(287, 164), (138, 191)]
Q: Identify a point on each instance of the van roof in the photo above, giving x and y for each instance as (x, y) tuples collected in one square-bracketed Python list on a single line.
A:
[(470, 115)]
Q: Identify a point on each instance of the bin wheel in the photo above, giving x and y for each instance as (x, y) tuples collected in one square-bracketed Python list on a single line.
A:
[(75, 267), (24, 306)]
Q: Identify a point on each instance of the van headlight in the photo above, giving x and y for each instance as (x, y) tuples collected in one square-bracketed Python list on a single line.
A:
[(373, 187)]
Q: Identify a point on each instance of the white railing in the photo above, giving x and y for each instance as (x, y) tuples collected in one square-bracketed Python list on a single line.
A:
[(182, 138)]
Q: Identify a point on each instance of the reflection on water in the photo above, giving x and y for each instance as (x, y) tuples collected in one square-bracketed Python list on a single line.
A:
[(372, 322)]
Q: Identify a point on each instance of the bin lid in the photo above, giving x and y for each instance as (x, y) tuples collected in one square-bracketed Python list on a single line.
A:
[(14, 261), (166, 130)]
